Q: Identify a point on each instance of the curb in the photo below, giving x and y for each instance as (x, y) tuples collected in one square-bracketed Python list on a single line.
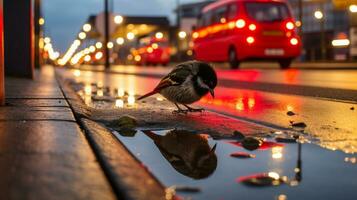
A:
[(128, 177)]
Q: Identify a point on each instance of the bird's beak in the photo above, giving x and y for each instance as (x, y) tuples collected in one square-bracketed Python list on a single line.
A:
[(213, 148), (212, 92)]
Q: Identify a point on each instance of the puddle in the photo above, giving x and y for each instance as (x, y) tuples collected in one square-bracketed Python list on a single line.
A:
[(196, 166), (207, 170)]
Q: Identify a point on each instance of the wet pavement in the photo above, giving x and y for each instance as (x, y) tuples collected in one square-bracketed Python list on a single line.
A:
[(325, 127)]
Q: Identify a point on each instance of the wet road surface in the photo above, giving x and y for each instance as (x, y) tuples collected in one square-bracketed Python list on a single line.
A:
[(325, 101)]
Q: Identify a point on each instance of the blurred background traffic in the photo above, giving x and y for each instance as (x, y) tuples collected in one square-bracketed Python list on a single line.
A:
[(214, 31)]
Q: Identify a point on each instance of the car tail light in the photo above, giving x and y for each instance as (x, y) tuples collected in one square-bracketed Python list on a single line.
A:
[(252, 27), (294, 41), (290, 25), (250, 40), (240, 23)]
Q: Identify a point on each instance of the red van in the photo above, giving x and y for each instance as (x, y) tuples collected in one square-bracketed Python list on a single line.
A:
[(238, 30)]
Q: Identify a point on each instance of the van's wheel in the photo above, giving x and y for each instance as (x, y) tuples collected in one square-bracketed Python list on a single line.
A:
[(285, 63), (232, 59)]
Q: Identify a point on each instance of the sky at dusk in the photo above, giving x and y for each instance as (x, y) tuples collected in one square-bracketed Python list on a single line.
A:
[(64, 18)]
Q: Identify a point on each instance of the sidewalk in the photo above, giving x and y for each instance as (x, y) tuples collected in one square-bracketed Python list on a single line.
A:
[(43, 152)]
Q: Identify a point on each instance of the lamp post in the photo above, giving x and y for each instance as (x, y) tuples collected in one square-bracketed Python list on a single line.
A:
[(300, 17), (178, 21), (106, 34), (319, 15)]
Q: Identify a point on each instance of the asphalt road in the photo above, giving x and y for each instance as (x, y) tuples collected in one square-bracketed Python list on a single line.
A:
[(325, 100)]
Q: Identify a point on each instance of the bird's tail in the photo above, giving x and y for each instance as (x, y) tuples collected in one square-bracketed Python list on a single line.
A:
[(147, 95)]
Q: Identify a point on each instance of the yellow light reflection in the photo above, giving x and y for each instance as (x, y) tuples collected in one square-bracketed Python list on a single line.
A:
[(274, 175), (119, 103), (277, 152), (87, 100), (240, 104), (88, 90), (100, 93), (121, 92), (77, 73), (251, 103), (131, 100), (289, 108), (159, 99)]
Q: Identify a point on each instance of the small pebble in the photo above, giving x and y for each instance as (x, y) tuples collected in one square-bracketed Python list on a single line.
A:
[(242, 155), (238, 135), (299, 125), (290, 113)]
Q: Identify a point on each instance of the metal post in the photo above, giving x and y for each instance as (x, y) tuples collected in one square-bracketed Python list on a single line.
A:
[(322, 30), (178, 21), (300, 17), (37, 16), (106, 34), (2, 77), (18, 38)]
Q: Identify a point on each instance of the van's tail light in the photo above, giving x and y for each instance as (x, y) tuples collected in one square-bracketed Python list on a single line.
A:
[(250, 40), (290, 26), (252, 27), (294, 41), (195, 35), (240, 23)]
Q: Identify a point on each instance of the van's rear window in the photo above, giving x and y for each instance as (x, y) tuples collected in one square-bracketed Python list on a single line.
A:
[(267, 12)]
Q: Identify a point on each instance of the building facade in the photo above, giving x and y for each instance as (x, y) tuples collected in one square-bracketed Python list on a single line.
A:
[(318, 34)]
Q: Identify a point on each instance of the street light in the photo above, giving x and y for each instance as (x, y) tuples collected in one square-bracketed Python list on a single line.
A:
[(82, 35), (182, 34), (99, 45), (159, 35), (318, 14), (130, 36), (353, 8), (118, 19), (41, 21), (110, 45), (87, 27), (120, 40)]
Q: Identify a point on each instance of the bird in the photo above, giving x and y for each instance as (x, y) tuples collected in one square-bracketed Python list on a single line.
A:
[(187, 152), (187, 83)]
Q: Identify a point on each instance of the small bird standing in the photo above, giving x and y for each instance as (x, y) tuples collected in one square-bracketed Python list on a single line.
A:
[(187, 83)]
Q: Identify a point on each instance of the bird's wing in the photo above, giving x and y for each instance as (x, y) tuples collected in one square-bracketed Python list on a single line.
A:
[(174, 78)]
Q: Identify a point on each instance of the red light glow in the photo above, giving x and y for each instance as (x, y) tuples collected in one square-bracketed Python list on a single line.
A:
[(240, 23), (251, 40), (290, 26), (252, 27), (294, 41)]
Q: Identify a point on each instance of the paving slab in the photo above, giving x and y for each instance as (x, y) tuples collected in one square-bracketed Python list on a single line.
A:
[(37, 102), (48, 160), (35, 113), (43, 152)]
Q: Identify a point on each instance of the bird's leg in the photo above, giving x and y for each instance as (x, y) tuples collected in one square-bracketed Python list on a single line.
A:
[(179, 110), (193, 109)]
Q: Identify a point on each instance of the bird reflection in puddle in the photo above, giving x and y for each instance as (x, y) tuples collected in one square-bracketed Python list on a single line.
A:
[(187, 152)]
